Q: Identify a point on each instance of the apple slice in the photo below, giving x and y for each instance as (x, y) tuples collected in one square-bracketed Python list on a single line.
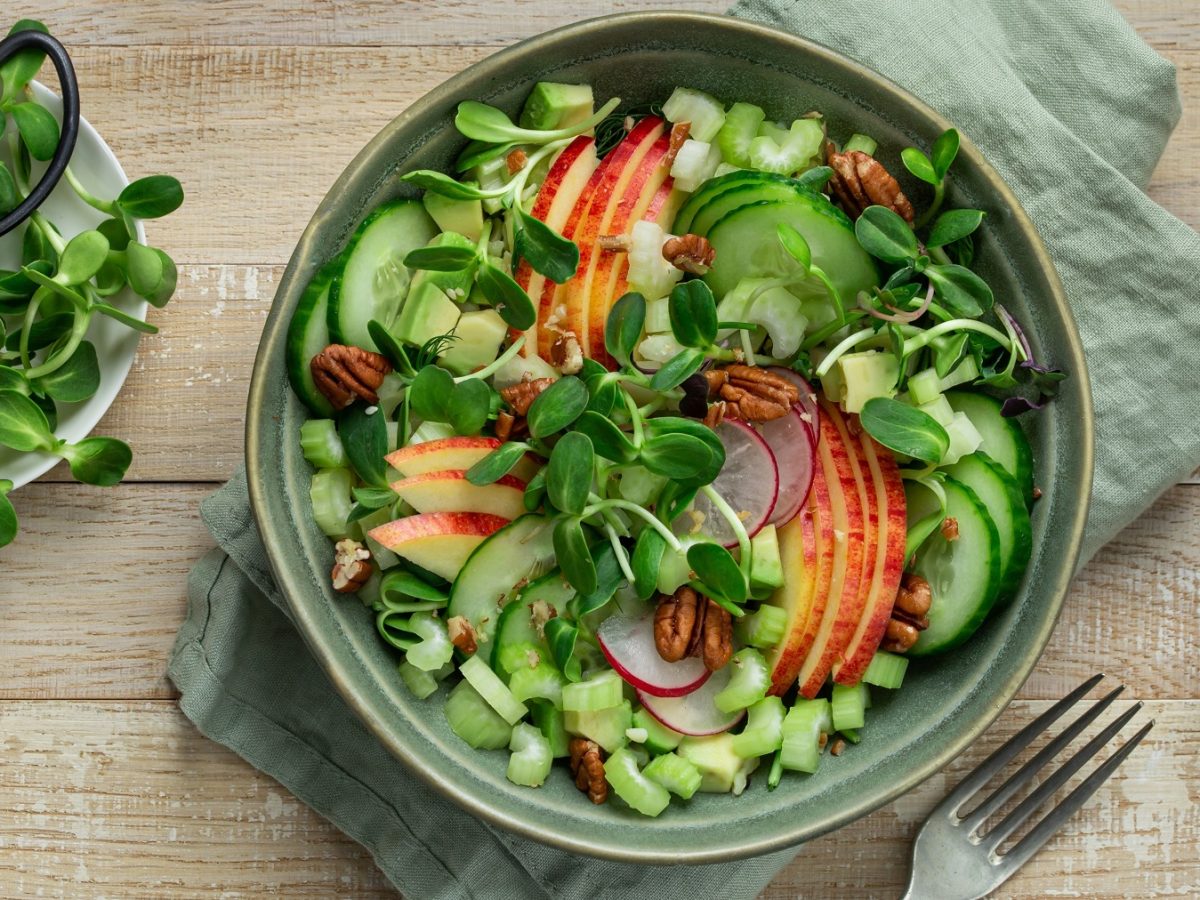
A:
[(695, 713), (791, 441), (889, 562), (451, 453), (628, 645), (843, 605), (565, 183), (439, 542), (806, 546), (447, 490), (562, 306)]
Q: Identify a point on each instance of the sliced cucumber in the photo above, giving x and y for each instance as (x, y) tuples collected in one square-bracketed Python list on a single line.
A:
[(495, 570), (1000, 494), (964, 573), (747, 244), (1003, 439), (515, 626), (374, 280), (308, 335), (780, 187), (713, 188)]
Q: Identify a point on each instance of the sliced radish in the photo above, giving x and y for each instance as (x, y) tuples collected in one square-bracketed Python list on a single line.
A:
[(749, 483), (628, 644), (792, 444), (807, 402), (695, 713)]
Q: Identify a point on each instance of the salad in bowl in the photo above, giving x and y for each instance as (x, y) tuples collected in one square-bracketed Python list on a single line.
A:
[(655, 440)]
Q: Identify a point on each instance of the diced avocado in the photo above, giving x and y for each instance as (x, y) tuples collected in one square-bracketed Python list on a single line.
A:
[(604, 726), (766, 567), (924, 387), (551, 105), (833, 385), (867, 375), (939, 409), (427, 313), (965, 439), (463, 217), (721, 770), (456, 284), (479, 335)]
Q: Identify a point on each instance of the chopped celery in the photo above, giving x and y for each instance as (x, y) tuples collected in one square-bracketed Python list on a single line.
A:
[(675, 773), (549, 719), (331, 500), (474, 720), (766, 566), (748, 683), (649, 273), (601, 691), (924, 387), (493, 690), (776, 773), (849, 705), (520, 655), (886, 670), (694, 164), (806, 721), (659, 738), (762, 628), (658, 316), (435, 649), (939, 410), (965, 439), (851, 734), (740, 128), (421, 683), (721, 769), (621, 771), (637, 735), (542, 682), (321, 445), (764, 729), (531, 756), (604, 726), (861, 142), (705, 113)]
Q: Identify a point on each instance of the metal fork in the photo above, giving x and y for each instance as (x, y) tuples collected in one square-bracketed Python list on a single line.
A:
[(953, 858)]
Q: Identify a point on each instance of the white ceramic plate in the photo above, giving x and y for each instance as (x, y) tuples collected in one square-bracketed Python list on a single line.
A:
[(97, 168)]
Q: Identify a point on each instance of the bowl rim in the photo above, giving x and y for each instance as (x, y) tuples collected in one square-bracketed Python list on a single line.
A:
[(1072, 357)]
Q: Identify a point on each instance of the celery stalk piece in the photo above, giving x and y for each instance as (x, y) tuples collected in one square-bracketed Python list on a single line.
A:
[(849, 705), (764, 729), (421, 683), (474, 720), (598, 692), (622, 774), (748, 684), (675, 773), (435, 649), (549, 719), (493, 690), (531, 756), (886, 670), (659, 738), (321, 445), (543, 682), (761, 628), (331, 500)]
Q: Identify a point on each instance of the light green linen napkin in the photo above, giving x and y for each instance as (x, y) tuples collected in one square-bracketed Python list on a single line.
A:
[(1075, 118)]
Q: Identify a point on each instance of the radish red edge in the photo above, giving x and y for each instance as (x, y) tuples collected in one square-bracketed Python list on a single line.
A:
[(695, 714), (628, 645), (795, 466)]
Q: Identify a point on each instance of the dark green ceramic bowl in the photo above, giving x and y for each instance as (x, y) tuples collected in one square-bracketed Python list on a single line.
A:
[(945, 703)]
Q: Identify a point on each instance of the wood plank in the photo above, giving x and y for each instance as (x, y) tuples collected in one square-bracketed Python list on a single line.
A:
[(1130, 612), (126, 799)]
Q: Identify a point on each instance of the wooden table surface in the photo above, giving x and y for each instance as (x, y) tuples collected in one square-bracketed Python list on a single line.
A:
[(105, 788)]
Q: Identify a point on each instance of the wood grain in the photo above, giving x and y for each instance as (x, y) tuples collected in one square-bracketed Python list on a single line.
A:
[(124, 799)]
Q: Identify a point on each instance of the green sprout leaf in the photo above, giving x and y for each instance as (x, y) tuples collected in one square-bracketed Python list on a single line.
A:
[(574, 557), (561, 635), (557, 407), (693, 313), (441, 259), (481, 122), (23, 424), (374, 498), (430, 392), (918, 163), (953, 225), (960, 290), (113, 229), (944, 150), (795, 245), (719, 575), (676, 370), (477, 152), (608, 578), (43, 332), (499, 463), (9, 198), (647, 557), (468, 406), (509, 298), (815, 178), (39, 129), (152, 197), (13, 380), (535, 491), (547, 251), (19, 70), (75, 380), (124, 318), (82, 258), (97, 460), (391, 348), (569, 473), (8, 515), (152, 274), (885, 235), (365, 439), (443, 185), (624, 327), (904, 429), (682, 457), (607, 439)]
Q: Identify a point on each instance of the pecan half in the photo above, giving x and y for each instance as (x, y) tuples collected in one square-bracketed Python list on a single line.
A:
[(860, 181), (515, 161), (687, 624), (690, 253), (520, 396), (950, 528), (462, 634), (566, 354), (751, 393), (909, 614), (351, 566), (679, 134), (587, 765), (344, 374)]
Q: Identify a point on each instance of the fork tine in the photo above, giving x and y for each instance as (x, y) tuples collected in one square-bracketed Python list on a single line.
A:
[(1042, 832), (1023, 775), (1018, 742), (1057, 779)]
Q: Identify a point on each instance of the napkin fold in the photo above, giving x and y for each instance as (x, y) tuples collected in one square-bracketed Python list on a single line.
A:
[(1074, 110)]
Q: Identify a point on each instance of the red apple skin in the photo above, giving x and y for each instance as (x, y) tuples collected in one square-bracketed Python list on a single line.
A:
[(584, 225), (804, 592), (889, 567), (842, 608), (565, 182), (451, 453), (639, 194), (426, 525)]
